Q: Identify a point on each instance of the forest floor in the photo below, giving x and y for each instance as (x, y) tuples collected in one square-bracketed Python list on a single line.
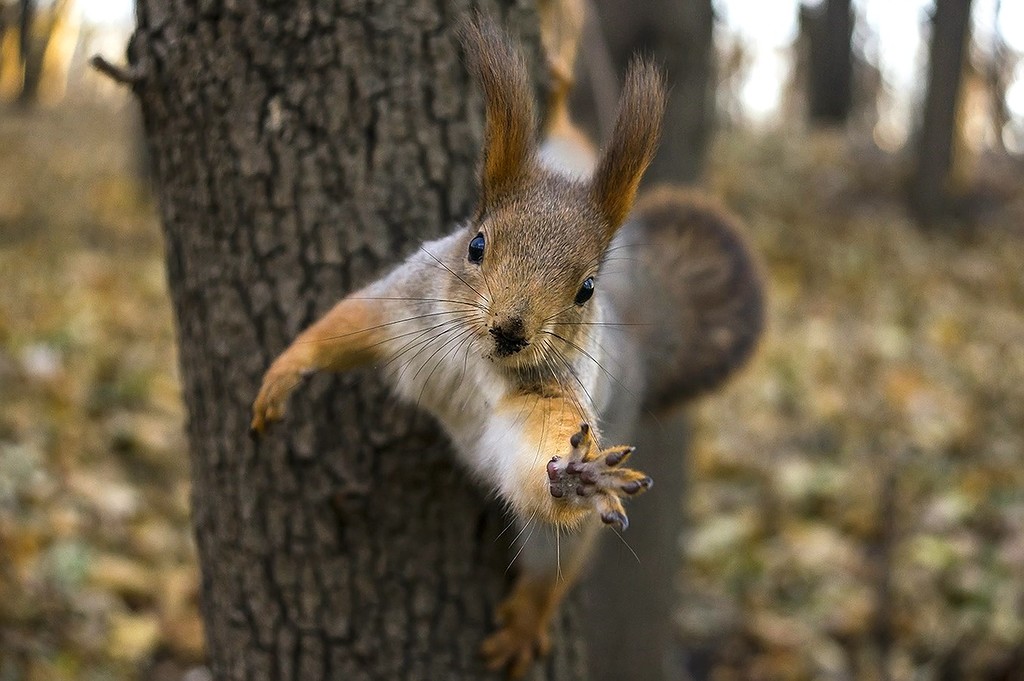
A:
[(857, 504), (857, 499), (98, 576)]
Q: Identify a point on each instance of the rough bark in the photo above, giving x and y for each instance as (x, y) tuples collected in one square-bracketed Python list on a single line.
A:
[(929, 190), (829, 28), (300, 149), (677, 34)]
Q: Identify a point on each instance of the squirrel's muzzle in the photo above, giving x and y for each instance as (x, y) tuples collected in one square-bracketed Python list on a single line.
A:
[(509, 336)]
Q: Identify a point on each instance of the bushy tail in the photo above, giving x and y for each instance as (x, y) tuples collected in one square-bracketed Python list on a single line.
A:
[(705, 297)]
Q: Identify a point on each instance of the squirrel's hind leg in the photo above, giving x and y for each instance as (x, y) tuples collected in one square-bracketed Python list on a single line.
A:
[(549, 564)]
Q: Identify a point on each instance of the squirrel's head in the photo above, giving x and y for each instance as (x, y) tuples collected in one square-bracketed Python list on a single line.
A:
[(535, 245)]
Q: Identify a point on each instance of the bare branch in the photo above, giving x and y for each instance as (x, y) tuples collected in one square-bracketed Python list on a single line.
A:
[(125, 75)]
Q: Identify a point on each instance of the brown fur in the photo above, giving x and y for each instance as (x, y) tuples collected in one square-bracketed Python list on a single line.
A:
[(546, 233), (549, 421), (499, 67), (525, 617), (542, 242), (633, 143), (348, 336), (704, 297)]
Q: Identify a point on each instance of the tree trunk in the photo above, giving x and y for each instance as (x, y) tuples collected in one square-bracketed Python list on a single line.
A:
[(300, 149), (830, 61), (677, 34), (28, 52), (999, 77), (929, 191), (632, 592), (38, 30)]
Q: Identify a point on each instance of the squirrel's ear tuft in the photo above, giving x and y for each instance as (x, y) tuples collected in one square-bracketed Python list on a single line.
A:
[(633, 143), (498, 65)]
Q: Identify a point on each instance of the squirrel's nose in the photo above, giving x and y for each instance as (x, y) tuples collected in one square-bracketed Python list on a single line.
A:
[(509, 336)]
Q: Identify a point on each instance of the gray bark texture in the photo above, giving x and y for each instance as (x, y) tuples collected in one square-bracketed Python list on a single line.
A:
[(300, 149)]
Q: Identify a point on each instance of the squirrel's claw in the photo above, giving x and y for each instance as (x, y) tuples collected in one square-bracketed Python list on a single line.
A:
[(514, 650), (522, 635), (261, 418), (272, 398), (263, 414), (589, 472)]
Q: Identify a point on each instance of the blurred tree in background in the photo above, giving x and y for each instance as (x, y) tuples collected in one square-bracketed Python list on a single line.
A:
[(30, 52), (930, 190), (45, 37), (829, 27), (678, 36)]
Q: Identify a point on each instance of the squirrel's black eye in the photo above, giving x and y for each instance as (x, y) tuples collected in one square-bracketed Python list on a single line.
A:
[(476, 249), (586, 290)]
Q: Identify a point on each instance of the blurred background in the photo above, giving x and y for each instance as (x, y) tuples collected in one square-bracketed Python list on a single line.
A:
[(856, 497)]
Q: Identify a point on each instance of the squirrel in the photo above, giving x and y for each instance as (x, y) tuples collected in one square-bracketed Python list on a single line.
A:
[(545, 325)]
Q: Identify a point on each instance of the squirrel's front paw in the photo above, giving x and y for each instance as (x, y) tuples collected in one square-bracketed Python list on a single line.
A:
[(589, 473), (269, 406)]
